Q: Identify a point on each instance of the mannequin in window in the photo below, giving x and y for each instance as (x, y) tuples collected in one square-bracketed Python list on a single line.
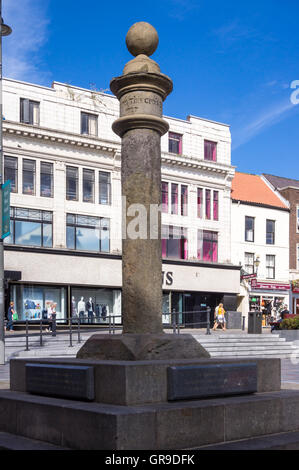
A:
[(73, 308), (90, 310), (81, 309)]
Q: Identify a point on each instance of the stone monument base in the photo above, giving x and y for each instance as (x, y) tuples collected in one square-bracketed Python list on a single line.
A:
[(146, 405), (142, 347)]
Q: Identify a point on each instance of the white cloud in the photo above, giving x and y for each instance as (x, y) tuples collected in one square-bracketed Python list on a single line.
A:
[(21, 50), (265, 120)]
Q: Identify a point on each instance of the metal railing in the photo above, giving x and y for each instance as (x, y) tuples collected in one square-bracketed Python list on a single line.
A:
[(48, 327)]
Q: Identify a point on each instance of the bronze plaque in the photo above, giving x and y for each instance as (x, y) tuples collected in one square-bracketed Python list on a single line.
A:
[(190, 382)]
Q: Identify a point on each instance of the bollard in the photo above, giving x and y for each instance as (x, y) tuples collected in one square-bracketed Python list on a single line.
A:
[(27, 343), (208, 332), (178, 322), (113, 325), (173, 321), (41, 332), (243, 323), (71, 333), (79, 337), (53, 324)]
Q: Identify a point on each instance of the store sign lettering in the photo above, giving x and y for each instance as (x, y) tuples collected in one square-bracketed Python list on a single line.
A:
[(167, 278)]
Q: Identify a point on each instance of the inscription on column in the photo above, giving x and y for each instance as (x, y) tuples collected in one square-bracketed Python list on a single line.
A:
[(137, 103)]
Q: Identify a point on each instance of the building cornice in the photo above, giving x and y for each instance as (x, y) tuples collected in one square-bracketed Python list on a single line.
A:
[(46, 135)]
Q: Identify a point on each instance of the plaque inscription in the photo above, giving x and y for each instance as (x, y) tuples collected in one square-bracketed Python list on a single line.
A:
[(54, 380), (190, 382)]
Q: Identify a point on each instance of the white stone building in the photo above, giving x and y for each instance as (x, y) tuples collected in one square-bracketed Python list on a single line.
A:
[(260, 244), (63, 161)]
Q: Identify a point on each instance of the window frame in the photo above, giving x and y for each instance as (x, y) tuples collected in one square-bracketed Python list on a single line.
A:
[(78, 225), (91, 181), (70, 167), (89, 116), (247, 264), (41, 221), (270, 243), (16, 172), (109, 192), (215, 144), (26, 102), (34, 177), (297, 218), (202, 237), (52, 178), (268, 266), (253, 229), (175, 137), (170, 231)]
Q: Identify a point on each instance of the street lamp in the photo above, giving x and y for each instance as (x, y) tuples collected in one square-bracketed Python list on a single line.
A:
[(4, 31), (256, 263)]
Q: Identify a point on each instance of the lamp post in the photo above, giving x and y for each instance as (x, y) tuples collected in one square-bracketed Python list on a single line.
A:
[(4, 31), (256, 263)]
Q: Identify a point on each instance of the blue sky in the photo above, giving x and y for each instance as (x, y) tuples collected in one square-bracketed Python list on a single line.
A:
[(230, 61)]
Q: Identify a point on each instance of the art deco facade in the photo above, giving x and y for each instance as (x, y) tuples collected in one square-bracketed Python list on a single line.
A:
[(63, 161)]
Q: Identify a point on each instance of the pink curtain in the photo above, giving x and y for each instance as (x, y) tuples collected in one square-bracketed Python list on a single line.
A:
[(164, 197), (199, 202), (215, 205), (184, 200), (174, 198), (208, 203)]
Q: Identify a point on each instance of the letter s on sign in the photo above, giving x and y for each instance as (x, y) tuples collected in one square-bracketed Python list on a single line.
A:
[(295, 94)]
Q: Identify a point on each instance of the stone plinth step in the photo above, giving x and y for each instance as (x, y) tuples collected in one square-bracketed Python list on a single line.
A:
[(281, 441), (176, 425), (13, 442)]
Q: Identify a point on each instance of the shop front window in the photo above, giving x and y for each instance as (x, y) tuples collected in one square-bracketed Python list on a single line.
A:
[(35, 302), (30, 227), (87, 233), (96, 305)]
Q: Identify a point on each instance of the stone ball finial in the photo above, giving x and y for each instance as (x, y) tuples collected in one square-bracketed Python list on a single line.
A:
[(142, 38)]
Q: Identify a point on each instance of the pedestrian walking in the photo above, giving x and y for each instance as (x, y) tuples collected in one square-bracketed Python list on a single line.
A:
[(10, 317), (219, 316)]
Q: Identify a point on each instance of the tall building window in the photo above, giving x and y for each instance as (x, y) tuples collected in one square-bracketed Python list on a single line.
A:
[(88, 185), (184, 200), (72, 183), (249, 229), (174, 242), (11, 172), (270, 266), (89, 124), (208, 204), (28, 177), (297, 257), (270, 232), (249, 263), (199, 202), (46, 179), (207, 245), (210, 150), (29, 112), (164, 197), (215, 205), (297, 213), (87, 233), (30, 227), (174, 198), (104, 187), (175, 143)]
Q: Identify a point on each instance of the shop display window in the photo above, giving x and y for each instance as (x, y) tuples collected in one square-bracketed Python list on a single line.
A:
[(34, 302), (94, 306)]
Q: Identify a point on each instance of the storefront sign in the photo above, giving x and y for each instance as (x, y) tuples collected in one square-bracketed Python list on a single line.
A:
[(269, 285), (249, 276), (167, 277), (5, 209)]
